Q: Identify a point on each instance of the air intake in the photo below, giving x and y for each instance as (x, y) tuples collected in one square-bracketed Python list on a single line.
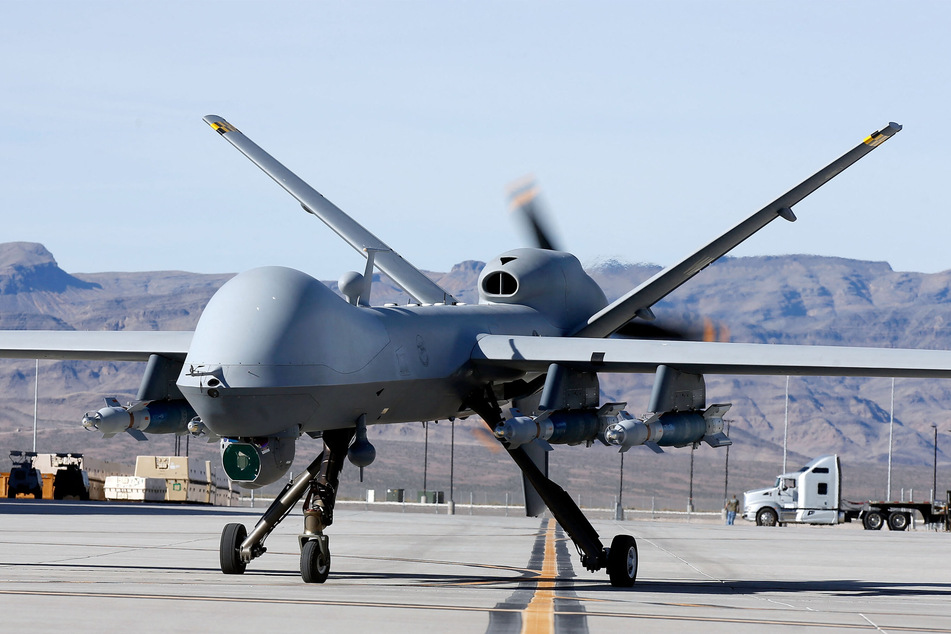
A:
[(500, 283)]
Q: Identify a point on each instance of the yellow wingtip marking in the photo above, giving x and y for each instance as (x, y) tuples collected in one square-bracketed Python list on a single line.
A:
[(222, 127), (879, 136)]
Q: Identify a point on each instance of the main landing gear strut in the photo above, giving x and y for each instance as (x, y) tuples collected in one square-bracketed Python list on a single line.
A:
[(620, 559), (238, 547)]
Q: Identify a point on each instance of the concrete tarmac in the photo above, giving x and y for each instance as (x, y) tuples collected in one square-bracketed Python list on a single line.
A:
[(101, 567)]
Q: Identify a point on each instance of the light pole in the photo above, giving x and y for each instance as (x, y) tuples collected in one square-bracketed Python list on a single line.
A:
[(891, 428), (934, 477), (451, 508), (726, 466), (785, 424), (36, 400), (619, 510), (425, 456), (690, 493)]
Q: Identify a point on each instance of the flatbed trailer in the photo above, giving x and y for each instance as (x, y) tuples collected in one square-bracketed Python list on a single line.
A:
[(897, 515)]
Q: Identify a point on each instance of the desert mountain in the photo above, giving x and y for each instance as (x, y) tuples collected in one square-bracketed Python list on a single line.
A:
[(797, 299)]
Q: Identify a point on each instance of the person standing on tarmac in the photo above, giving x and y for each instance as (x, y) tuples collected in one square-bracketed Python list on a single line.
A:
[(732, 506)]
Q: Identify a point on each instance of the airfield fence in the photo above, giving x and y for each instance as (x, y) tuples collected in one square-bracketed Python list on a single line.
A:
[(498, 510)]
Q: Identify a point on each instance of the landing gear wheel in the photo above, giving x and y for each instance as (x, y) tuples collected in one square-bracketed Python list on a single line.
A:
[(229, 551), (622, 561), (873, 521), (314, 562), (897, 521), (766, 517)]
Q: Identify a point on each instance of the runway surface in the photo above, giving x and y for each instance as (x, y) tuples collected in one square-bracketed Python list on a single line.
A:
[(98, 567)]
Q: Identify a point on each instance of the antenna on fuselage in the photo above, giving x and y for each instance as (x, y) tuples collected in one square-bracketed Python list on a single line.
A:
[(368, 275), (356, 287)]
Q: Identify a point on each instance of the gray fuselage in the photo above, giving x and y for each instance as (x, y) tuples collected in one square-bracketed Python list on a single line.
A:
[(276, 351)]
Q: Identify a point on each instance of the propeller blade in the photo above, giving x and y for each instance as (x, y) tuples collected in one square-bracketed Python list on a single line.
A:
[(713, 331), (638, 329), (523, 197), (681, 331)]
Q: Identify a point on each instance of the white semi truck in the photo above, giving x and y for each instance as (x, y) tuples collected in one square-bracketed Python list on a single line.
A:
[(812, 495)]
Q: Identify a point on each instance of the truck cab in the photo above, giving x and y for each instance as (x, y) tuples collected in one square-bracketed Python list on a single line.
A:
[(24, 477), (808, 496)]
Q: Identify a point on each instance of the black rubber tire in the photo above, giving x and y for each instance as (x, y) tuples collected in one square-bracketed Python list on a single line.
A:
[(873, 521), (314, 564), (231, 537), (622, 561), (766, 516), (898, 521)]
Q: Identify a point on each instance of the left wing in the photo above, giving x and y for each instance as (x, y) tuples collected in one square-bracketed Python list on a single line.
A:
[(411, 279), (535, 354), (639, 301), (111, 345)]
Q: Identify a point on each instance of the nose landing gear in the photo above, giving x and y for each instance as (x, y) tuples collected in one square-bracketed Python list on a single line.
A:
[(315, 559), (229, 551), (238, 547)]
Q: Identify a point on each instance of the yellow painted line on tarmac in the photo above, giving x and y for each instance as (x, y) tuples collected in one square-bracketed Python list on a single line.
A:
[(539, 616)]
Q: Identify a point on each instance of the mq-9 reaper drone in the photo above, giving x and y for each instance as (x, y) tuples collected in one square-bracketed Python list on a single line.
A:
[(276, 354)]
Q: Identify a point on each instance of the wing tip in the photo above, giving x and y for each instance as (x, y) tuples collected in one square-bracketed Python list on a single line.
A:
[(219, 124), (880, 136)]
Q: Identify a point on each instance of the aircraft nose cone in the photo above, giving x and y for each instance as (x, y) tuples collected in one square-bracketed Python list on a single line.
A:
[(264, 342), (276, 316)]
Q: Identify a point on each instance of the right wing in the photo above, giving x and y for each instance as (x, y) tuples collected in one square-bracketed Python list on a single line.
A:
[(639, 300), (536, 354), (105, 345), (411, 279)]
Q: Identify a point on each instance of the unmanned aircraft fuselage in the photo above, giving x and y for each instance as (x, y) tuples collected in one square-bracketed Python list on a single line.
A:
[(277, 351)]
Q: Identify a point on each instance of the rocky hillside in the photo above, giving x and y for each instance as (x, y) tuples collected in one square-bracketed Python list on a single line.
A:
[(792, 299)]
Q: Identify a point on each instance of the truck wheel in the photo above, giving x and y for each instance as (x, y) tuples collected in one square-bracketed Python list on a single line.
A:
[(898, 521), (873, 521), (766, 517)]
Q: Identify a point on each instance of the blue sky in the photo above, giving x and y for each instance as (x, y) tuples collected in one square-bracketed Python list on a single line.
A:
[(651, 127)]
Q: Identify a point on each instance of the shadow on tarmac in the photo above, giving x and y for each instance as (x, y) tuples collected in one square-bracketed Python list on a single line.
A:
[(836, 587), (71, 507)]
